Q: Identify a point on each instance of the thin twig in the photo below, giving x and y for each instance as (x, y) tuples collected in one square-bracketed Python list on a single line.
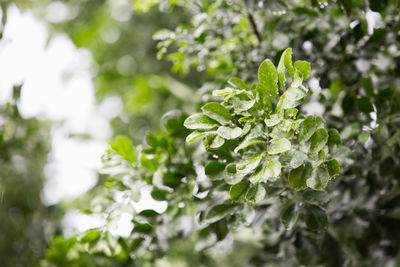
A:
[(254, 26)]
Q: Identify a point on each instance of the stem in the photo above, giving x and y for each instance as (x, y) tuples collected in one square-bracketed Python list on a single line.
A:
[(254, 26), (253, 22)]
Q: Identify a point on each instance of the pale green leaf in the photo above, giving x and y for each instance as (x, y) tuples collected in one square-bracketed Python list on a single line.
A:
[(200, 121), (279, 145), (303, 68), (248, 141), (363, 136), (241, 105), (256, 193), (285, 63), (268, 77), (193, 136), (217, 112), (237, 83), (213, 141), (228, 132), (248, 165), (319, 179), (309, 126), (273, 120), (123, 146), (230, 174)]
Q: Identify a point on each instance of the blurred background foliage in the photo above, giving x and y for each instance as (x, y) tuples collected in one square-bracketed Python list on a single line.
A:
[(354, 50)]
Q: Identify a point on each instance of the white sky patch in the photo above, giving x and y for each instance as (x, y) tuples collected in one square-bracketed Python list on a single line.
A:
[(58, 86)]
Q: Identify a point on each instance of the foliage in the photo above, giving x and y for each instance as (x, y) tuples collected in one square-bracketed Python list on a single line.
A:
[(270, 152), (23, 217)]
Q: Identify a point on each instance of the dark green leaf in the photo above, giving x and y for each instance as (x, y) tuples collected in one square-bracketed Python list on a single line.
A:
[(289, 216), (238, 191), (298, 177), (256, 193), (213, 168), (318, 140), (218, 212), (316, 218)]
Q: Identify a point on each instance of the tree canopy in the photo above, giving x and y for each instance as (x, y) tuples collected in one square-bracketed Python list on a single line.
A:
[(270, 130)]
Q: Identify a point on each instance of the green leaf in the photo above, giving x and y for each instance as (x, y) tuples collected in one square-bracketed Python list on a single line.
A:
[(163, 34), (333, 167), (273, 120), (318, 140), (228, 132), (298, 177), (256, 194), (237, 83), (289, 216), (241, 105), (303, 68), (200, 121), (261, 95), (273, 169), (193, 136), (334, 140), (217, 112), (268, 77), (285, 63), (292, 97), (214, 167), (213, 141), (238, 191), (248, 165), (144, 5), (309, 126), (279, 145), (231, 176), (218, 212), (248, 141), (149, 163), (293, 159), (319, 179), (351, 130), (141, 227), (91, 236), (316, 218), (159, 194), (123, 146), (364, 105), (363, 136), (368, 86)]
